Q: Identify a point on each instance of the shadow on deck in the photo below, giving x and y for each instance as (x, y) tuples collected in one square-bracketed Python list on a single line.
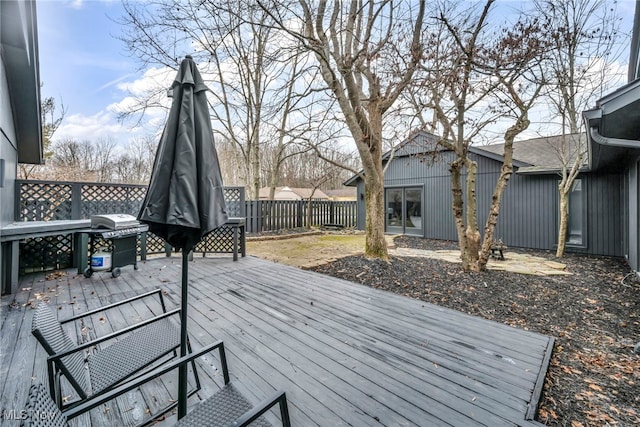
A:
[(345, 354)]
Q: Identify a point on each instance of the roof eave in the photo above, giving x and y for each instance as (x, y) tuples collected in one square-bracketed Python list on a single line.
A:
[(20, 55), (616, 110)]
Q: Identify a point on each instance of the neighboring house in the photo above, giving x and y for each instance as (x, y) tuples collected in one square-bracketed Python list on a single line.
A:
[(292, 193), (20, 127), (348, 194)]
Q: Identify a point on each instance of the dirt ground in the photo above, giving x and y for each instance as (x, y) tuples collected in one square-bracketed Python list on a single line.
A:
[(309, 250)]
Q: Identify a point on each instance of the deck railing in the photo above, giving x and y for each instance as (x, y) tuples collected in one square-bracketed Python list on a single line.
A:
[(60, 200), (56, 200)]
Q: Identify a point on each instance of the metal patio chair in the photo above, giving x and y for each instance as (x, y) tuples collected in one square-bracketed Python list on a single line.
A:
[(227, 407), (136, 350)]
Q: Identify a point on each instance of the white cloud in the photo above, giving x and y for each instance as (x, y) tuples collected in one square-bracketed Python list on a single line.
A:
[(152, 80), (106, 123), (101, 125), (76, 4)]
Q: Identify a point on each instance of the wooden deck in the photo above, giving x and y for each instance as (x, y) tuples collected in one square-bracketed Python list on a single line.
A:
[(345, 354)]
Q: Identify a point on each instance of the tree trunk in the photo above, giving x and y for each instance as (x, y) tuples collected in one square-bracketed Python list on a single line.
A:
[(255, 171), (375, 243), (273, 182), (496, 200), (470, 257), (564, 219), (458, 205), (492, 220)]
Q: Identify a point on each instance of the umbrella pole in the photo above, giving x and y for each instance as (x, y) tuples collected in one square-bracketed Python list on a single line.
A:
[(182, 370)]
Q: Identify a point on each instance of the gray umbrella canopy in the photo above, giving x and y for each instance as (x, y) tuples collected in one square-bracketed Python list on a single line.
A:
[(185, 199)]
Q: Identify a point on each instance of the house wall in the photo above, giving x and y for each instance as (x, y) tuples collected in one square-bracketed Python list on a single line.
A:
[(529, 210), (8, 152), (631, 232), (361, 214), (604, 214)]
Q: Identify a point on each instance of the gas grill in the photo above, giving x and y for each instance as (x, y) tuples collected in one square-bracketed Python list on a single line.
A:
[(123, 242)]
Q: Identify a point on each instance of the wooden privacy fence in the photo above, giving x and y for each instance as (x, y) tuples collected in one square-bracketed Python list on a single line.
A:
[(58, 200), (272, 215)]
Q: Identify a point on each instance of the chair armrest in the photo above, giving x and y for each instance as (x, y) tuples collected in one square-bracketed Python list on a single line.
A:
[(143, 379), (57, 356), (250, 416), (117, 304)]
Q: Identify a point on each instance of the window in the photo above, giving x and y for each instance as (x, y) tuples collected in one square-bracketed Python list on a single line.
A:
[(575, 229)]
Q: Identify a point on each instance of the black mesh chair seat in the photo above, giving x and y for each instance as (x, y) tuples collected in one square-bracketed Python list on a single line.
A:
[(227, 407), (112, 359), (138, 350), (40, 410), (220, 410)]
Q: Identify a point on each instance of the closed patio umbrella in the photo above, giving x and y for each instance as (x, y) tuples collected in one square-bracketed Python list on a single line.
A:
[(185, 198)]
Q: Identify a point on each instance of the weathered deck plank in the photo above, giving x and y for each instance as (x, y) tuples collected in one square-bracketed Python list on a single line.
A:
[(344, 353)]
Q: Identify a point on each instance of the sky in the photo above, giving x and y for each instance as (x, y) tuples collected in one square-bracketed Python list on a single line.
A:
[(85, 67)]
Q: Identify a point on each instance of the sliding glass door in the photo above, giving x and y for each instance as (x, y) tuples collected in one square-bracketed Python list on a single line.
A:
[(404, 210)]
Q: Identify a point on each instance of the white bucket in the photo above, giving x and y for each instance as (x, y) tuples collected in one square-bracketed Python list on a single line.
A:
[(101, 260)]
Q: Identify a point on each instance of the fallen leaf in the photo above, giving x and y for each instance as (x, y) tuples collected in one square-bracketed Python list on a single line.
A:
[(595, 387)]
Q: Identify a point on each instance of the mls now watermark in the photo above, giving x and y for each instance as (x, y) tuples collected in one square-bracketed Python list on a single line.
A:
[(16, 415)]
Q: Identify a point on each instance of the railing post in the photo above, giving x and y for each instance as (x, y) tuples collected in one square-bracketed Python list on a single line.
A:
[(243, 205), (76, 201), (18, 201)]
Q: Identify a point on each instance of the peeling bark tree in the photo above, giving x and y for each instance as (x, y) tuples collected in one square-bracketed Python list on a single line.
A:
[(477, 77), (367, 53)]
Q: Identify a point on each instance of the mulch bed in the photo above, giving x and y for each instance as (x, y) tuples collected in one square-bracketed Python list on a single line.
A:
[(594, 375)]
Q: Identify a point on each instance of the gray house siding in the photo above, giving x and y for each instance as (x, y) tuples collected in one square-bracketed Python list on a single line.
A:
[(361, 212), (604, 224), (529, 210), (528, 214), (8, 151), (631, 221)]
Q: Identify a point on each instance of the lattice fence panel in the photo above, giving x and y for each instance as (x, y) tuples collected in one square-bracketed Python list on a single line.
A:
[(219, 240), (45, 201), (234, 201), (155, 244), (102, 199), (46, 253)]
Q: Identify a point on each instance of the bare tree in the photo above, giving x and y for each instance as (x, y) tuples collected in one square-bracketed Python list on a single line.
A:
[(476, 78), (83, 159), (249, 70), (135, 164), (586, 38), (51, 115), (367, 53), (287, 111), (102, 162)]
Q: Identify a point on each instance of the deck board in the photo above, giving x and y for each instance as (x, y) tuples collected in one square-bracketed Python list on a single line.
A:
[(346, 354)]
